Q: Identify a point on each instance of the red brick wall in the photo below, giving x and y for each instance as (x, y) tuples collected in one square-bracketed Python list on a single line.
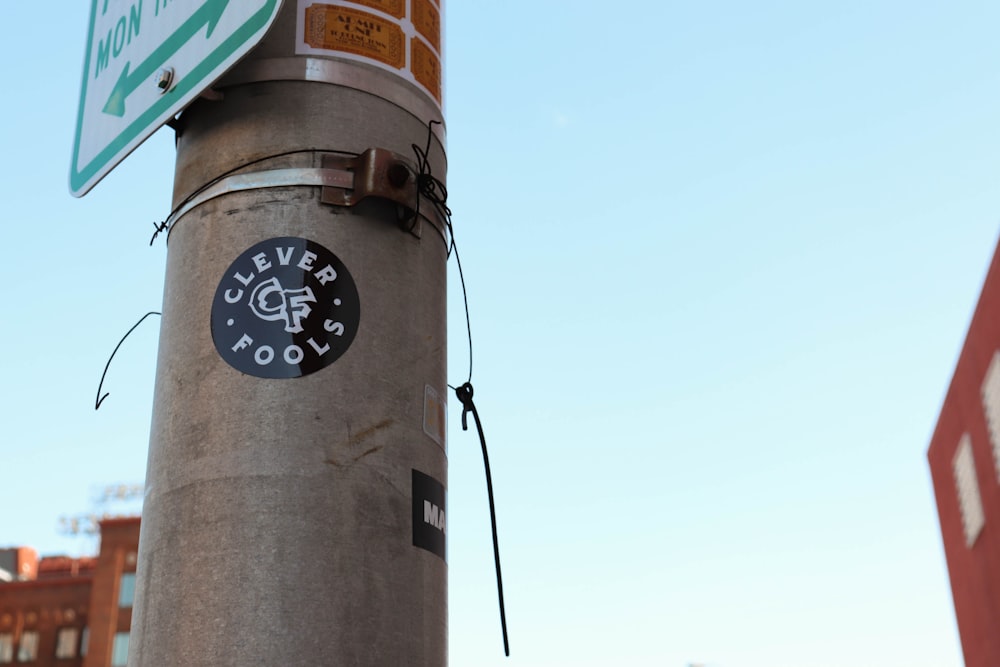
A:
[(119, 544), (975, 571), (44, 607), (74, 593)]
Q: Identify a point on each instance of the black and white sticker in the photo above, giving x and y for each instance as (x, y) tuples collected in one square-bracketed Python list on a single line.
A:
[(287, 307), (428, 513)]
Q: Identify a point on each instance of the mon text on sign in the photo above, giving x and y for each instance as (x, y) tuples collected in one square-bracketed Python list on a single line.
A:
[(145, 61)]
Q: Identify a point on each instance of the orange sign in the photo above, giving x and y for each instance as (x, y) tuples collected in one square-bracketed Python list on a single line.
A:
[(395, 8), (427, 20), (401, 36), (426, 67), (357, 32)]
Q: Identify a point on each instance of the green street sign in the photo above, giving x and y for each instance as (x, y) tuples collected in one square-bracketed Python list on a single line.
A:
[(148, 59)]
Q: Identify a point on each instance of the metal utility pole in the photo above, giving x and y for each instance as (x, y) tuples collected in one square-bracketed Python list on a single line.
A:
[(294, 510)]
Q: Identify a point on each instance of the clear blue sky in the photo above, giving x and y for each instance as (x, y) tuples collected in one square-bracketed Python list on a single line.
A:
[(721, 259)]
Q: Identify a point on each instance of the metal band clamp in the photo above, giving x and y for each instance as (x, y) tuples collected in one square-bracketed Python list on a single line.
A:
[(345, 181)]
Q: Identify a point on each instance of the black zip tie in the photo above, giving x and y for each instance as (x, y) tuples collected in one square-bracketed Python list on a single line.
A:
[(464, 394), (100, 399)]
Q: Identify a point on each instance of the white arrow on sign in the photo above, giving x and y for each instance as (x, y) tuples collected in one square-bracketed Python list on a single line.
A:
[(148, 59)]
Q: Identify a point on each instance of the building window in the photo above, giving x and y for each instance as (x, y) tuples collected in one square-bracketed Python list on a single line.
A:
[(126, 593), (67, 639), (991, 407), (6, 648), (119, 650), (84, 638), (27, 649), (970, 504)]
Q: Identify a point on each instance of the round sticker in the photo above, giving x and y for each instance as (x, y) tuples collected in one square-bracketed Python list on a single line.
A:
[(285, 308)]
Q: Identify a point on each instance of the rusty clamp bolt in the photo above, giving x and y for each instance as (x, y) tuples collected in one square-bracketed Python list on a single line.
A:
[(377, 173)]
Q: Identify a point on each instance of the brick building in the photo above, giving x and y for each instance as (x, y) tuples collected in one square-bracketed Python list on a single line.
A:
[(70, 612), (964, 458)]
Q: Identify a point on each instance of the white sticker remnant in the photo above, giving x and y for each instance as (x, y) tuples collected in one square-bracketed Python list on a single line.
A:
[(435, 417)]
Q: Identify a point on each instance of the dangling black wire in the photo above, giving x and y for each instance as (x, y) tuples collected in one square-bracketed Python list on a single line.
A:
[(464, 394), (436, 193), (100, 399), (431, 188)]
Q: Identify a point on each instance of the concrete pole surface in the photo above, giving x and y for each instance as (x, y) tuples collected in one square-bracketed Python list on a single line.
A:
[(286, 518)]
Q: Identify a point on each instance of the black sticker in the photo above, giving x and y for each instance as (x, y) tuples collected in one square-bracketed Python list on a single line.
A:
[(285, 308), (428, 513)]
